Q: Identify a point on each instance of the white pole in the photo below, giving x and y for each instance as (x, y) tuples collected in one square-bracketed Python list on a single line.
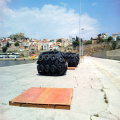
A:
[(82, 40), (79, 32), (82, 48)]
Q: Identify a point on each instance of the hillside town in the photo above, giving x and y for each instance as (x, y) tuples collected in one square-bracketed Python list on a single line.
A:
[(26, 46), (20, 43)]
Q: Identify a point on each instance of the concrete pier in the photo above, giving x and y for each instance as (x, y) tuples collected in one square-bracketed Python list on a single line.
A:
[(95, 95)]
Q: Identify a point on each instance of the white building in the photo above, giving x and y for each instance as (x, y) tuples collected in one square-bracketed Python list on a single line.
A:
[(103, 35), (71, 39), (46, 46)]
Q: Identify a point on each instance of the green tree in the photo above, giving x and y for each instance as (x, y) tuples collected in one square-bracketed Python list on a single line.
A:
[(26, 38), (59, 40), (8, 44), (4, 49), (75, 43), (15, 39), (77, 39), (32, 49), (16, 43), (118, 38), (110, 39)]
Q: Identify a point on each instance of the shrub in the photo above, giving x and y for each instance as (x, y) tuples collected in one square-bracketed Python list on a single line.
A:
[(16, 43), (22, 55), (100, 40), (87, 42), (110, 39), (106, 101), (105, 40), (114, 45), (96, 115)]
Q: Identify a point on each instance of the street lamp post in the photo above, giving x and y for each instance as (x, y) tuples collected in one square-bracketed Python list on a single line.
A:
[(79, 47)]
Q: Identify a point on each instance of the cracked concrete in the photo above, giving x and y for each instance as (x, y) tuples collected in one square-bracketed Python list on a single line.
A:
[(91, 87)]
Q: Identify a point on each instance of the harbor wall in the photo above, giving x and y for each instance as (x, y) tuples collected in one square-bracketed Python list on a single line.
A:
[(24, 58), (113, 54)]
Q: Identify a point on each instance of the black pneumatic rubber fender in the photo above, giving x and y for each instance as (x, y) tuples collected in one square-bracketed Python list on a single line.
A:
[(40, 68), (61, 59), (47, 68), (53, 57), (52, 63), (41, 58), (53, 68), (64, 70), (72, 59), (46, 57), (60, 68)]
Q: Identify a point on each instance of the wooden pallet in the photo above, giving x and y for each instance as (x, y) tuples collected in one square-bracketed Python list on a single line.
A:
[(55, 98), (71, 68)]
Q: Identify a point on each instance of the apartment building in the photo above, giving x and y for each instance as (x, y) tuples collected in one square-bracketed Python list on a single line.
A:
[(115, 35), (64, 42)]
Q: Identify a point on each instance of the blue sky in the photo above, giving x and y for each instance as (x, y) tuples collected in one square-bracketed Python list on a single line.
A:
[(59, 18)]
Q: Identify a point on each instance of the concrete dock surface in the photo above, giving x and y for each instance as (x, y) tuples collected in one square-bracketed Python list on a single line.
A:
[(96, 91)]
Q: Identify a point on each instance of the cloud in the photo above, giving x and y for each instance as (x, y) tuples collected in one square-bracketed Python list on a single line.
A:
[(93, 4), (51, 21)]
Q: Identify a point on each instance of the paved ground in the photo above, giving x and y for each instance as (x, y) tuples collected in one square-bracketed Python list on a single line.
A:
[(95, 97)]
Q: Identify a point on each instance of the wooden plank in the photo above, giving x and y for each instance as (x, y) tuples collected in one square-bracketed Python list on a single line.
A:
[(67, 107), (56, 98), (71, 68)]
